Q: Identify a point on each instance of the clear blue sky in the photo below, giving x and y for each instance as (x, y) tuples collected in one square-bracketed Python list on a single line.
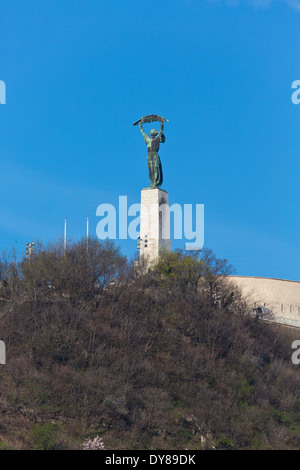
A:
[(79, 73)]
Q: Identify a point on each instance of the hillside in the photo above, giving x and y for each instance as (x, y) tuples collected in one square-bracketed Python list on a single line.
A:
[(169, 360)]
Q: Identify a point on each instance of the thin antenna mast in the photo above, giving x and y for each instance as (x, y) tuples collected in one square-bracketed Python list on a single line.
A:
[(87, 233), (65, 237)]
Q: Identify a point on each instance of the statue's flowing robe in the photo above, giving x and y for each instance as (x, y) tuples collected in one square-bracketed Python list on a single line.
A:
[(153, 160), (154, 163)]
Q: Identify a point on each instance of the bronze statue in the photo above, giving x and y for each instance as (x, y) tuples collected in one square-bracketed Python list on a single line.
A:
[(152, 142)]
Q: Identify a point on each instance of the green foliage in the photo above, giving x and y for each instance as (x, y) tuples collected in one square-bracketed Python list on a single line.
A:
[(224, 443), (174, 269), (43, 436), (3, 446)]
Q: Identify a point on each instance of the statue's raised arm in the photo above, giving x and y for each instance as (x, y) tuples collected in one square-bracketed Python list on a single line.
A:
[(161, 136), (146, 136)]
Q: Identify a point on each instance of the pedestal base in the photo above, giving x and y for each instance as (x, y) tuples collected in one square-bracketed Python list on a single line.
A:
[(155, 224)]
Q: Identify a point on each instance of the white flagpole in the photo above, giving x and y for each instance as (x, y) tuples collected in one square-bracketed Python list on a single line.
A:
[(65, 236), (87, 233)]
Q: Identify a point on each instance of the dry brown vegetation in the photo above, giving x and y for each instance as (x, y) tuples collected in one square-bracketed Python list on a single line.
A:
[(169, 360)]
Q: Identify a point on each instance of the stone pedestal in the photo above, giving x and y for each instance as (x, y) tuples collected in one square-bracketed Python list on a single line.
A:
[(155, 224)]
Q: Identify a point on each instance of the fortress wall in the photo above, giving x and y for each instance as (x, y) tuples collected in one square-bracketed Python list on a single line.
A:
[(280, 296)]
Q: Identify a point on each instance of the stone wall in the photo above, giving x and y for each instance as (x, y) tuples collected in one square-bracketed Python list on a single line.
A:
[(155, 223), (277, 300)]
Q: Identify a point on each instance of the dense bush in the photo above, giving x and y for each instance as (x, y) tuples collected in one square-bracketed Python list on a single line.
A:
[(169, 360)]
